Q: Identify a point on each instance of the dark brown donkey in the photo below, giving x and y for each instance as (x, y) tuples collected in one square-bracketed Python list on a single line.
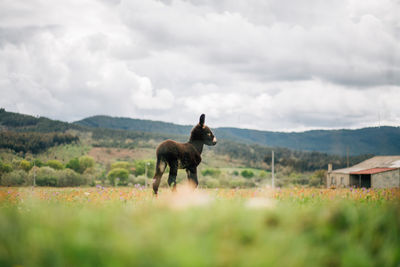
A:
[(183, 155)]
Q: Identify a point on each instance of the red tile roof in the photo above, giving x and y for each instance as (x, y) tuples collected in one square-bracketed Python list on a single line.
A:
[(373, 170)]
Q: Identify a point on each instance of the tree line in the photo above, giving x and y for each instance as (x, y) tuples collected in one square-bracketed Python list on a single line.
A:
[(34, 142), (299, 161)]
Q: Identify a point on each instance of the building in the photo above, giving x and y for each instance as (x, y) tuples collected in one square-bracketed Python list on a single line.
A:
[(376, 172)]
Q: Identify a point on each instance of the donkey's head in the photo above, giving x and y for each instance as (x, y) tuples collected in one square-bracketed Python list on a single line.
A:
[(202, 133)]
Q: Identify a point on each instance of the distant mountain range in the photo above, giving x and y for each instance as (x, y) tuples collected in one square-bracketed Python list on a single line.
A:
[(375, 140)]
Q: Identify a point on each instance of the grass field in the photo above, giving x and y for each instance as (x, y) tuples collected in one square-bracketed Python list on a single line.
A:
[(220, 227)]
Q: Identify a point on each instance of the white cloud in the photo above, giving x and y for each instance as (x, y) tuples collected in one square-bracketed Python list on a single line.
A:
[(276, 65)]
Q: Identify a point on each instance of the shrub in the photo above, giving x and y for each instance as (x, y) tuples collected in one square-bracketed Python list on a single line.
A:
[(73, 164), (85, 162), (55, 164), (298, 178), (118, 176), (32, 173), (80, 165), (37, 163), (141, 165), (215, 173), (46, 176), (68, 177), (14, 178), (247, 174), (25, 165), (15, 163), (5, 168)]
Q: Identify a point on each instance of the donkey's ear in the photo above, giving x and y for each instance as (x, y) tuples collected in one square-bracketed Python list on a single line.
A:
[(202, 119)]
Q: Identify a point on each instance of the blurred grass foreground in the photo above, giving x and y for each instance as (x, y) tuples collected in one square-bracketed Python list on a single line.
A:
[(226, 227)]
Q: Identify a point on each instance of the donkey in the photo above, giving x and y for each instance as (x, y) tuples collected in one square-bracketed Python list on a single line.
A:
[(183, 155)]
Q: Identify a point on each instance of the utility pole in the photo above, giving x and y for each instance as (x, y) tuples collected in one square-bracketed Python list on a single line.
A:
[(348, 157), (272, 170), (34, 174)]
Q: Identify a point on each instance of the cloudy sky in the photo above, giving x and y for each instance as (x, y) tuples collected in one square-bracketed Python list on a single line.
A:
[(268, 64)]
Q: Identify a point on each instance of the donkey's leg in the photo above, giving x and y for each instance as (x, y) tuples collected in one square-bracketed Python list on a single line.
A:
[(160, 168), (192, 177), (173, 172)]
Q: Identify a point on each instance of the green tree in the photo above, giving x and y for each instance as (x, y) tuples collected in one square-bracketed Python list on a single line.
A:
[(85, 162), (46, 176), (25, 165), (118, 176), (5, 168), (247, 173), (37, 163), (55, 164), (142, 165), (14, 178), (69, 177), (73, 164)]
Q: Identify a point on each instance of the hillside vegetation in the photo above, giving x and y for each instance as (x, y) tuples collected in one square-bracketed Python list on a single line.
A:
[(252, 155), (34, 142), (375, 140)]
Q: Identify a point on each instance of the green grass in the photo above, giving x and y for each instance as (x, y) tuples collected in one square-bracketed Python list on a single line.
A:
[(75, 230)]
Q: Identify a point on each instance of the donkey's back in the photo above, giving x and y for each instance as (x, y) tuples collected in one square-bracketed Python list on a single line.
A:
[(184, 154)]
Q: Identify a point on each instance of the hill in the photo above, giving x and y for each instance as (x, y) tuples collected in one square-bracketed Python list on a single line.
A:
[(375, 140), (21, 130), (28, 123), (135, 125)]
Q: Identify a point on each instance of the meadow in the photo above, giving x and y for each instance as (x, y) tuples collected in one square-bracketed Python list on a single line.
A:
[(127, 226)]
